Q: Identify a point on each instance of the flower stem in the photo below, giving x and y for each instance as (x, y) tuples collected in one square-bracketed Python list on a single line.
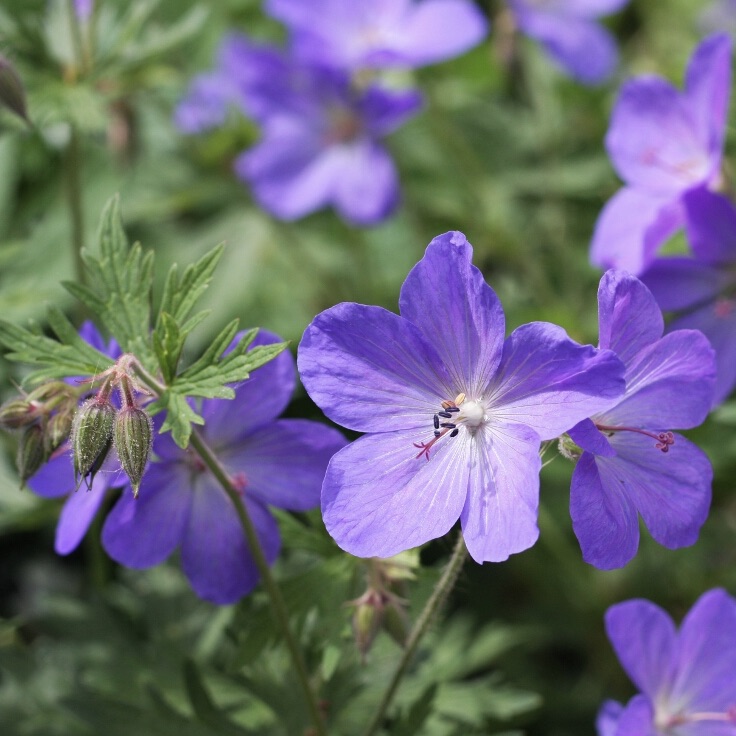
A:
[(74, 200), (436, 600), (209, 458)]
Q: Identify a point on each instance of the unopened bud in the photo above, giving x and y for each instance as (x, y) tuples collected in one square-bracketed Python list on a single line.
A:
[(12, 92), (92, 436), (396, 622), (58, 429), (133, 439), (18, 413), (31, 454), (367, 619)]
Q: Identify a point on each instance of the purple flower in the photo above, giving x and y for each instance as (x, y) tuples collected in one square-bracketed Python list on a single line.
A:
[(568, 32), (687, 678), (83, 8), (632, 461), (273, 462), (663, 143), (380, 33), (454, 414), (56, 478), (702, 290), (321, 135)]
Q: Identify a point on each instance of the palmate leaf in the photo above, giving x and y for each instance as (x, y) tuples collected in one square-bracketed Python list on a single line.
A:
[(120, 281), (70, 355)]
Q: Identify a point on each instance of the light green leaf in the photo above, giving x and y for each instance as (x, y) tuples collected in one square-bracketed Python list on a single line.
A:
[(179, 416)]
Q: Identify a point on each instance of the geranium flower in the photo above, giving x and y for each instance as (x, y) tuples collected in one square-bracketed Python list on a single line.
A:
[(380, 33), (56, 478), (454, 414), (321, 134), (664, 144), (702, 290), (273, 462), (687, 678), (568, 32), (632, 461)]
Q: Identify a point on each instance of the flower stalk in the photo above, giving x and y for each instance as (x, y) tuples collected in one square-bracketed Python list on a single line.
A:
[(435, 602)]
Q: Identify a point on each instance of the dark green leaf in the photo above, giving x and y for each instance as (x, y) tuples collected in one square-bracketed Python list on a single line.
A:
[(413, 721), (120, 281), (12, 92), (203, 706), (179, 416)]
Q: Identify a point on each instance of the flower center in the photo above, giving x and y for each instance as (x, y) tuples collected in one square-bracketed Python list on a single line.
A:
[(454, 414), (663, 439)]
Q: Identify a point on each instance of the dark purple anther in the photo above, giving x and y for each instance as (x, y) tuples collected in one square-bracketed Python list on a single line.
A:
[(453, 408), (454, 432), (437, 433), (445, 414), (447, 425), (436, 422)]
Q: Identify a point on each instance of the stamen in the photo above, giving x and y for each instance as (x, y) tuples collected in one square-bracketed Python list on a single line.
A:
[(445, 414), (682, 718), (437, 433), (664, 439), (446, 405), (459, 399), (454, 432), (448, 425), (453, 408), (436, 421)]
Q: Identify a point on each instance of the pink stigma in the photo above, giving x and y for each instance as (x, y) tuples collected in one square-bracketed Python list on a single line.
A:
[(663, 439)]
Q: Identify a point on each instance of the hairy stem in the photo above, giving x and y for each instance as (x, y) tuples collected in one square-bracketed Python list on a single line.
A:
[(435, 602), (208, 457)]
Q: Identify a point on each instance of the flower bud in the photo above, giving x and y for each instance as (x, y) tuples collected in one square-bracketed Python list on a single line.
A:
[(133, 434), (31, 454), (18, 413), (396, 621), (92, 436), (367, 619), (58, 429)]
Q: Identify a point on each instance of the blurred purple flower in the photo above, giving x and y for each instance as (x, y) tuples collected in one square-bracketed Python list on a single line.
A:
[(274, 462), (454, 413), (83, 8), (320, 142), (380, 33), (56, 478), (663, 144), (702, 290), (632, 462), (687, 678), (568, 32)]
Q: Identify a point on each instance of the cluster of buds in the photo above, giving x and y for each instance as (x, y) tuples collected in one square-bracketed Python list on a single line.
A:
[(44, 418), (380, 607), (98, 426), (51, 414)]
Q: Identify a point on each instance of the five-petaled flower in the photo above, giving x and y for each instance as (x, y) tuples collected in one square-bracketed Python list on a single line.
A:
[(380, 33), (272, 462), (663, 144), (687, 678), (568, 31), (321, 133), (454, 414), (632, 461)]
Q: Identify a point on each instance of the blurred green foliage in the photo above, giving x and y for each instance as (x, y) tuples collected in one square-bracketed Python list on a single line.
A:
[(512, 155)]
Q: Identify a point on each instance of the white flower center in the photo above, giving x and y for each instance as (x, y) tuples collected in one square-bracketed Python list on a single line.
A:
[(472, 414)]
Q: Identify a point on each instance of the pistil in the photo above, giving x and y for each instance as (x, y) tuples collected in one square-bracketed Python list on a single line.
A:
[(663, 439)]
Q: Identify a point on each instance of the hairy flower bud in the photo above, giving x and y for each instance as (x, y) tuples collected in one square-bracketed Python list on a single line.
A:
[(92, 436), (396, 621), (367, 619), (31, 454), (58, 429), (18, 413), (133, 433)]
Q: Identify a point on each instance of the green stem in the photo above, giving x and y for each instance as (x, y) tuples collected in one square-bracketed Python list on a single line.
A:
[(278, 605), (436, 600), (74, 200)]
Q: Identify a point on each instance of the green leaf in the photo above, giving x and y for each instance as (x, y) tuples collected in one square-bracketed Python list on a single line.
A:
[(180, 295), (203, 706), (121, 279), (168, 342), (70, 357), (414, 720), (179, 416)]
